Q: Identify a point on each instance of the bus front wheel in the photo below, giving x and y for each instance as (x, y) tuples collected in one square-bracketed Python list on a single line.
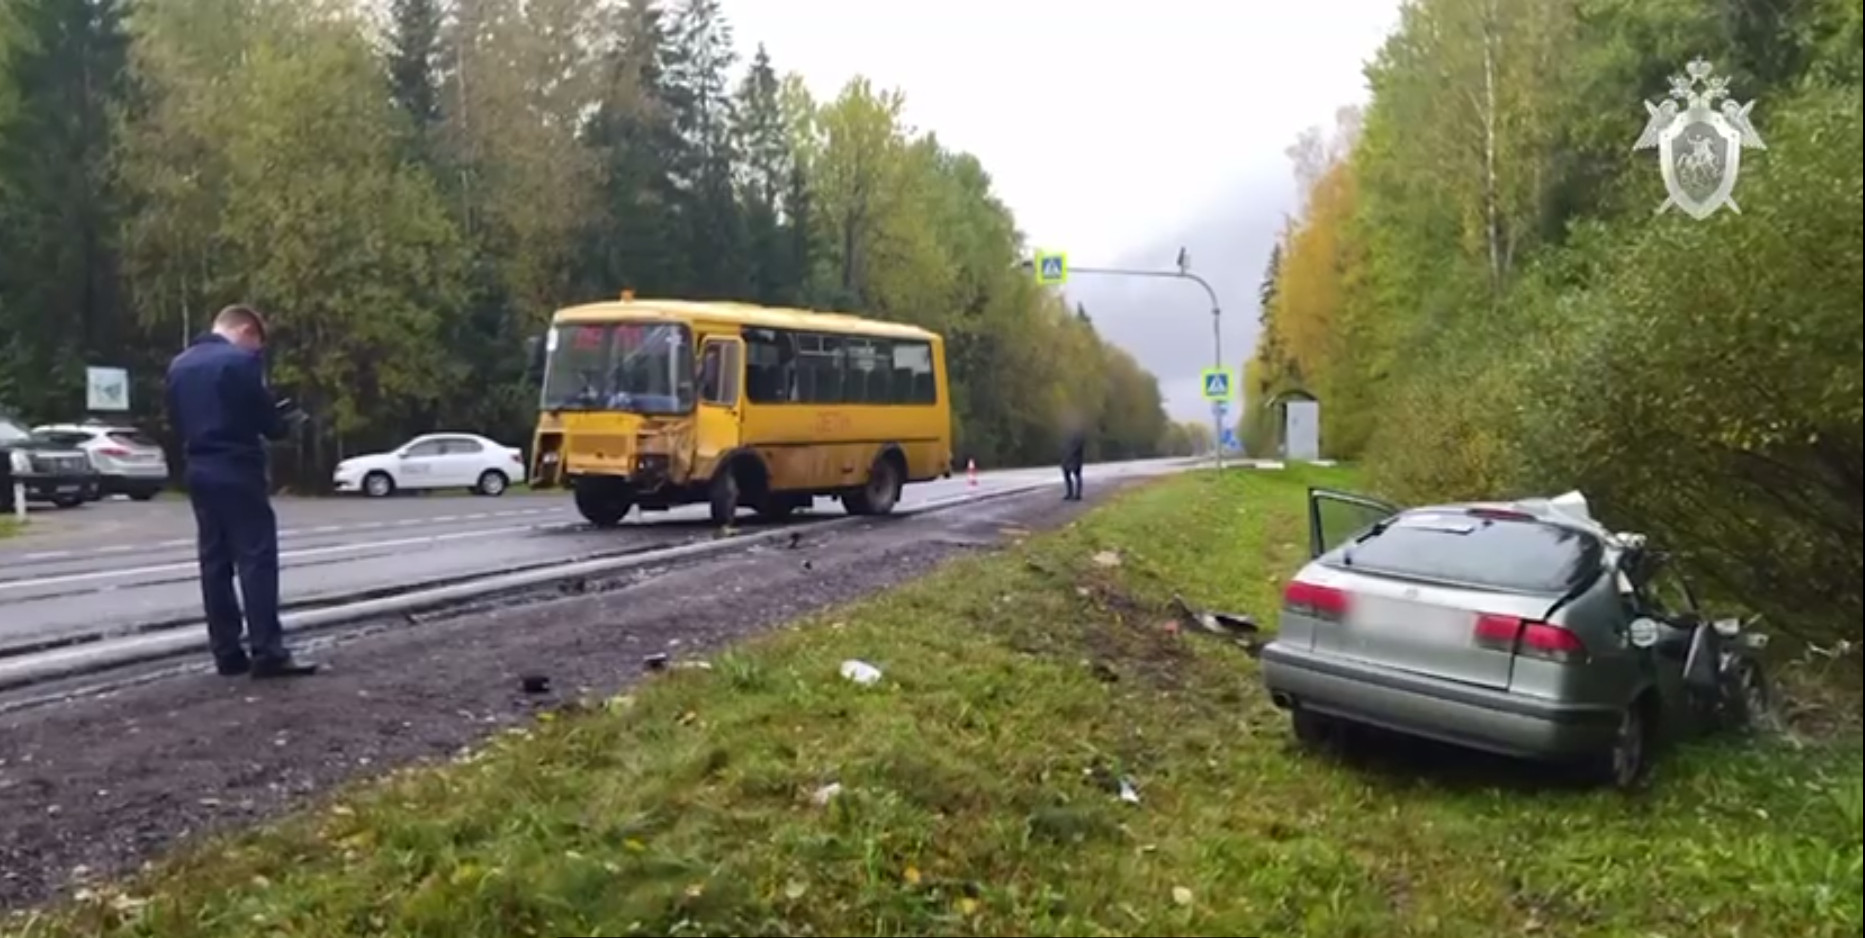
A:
[(603, 502), (723, 497)]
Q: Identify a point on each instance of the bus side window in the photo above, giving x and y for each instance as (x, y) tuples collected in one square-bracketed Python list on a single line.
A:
[(709, 373), (913, 379), (881, 373), (770, 371), (868, 372), (820, 366)]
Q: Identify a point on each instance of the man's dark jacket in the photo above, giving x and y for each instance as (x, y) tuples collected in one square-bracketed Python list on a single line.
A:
[(1073, 446), (222, 410)]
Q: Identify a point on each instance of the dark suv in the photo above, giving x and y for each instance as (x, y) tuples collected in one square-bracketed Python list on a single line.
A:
[(47, 471)]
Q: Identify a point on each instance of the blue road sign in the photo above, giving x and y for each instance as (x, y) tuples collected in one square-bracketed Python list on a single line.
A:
[(1217, 384), (1051, 269)]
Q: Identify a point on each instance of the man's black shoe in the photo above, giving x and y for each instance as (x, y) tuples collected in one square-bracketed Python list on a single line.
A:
[(282, 667), (233, 667)]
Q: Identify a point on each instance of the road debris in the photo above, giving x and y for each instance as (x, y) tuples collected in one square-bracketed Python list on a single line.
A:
[(1128, 793), (860, 672), (534, 684), (655, 662), (1107, 558), (827, 793), (1240, 629)]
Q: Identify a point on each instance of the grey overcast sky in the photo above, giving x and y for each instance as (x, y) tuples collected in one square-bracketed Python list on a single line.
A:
[(1115, 132)]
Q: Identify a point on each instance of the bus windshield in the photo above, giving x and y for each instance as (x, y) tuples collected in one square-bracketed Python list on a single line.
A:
[(643, 368)]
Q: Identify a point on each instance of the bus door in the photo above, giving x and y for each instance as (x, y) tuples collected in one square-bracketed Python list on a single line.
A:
[(721, 390)]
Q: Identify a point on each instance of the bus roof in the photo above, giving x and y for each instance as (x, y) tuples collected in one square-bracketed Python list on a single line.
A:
[(738, 314)]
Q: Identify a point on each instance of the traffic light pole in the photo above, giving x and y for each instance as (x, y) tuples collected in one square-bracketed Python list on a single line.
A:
[(1217, 331)]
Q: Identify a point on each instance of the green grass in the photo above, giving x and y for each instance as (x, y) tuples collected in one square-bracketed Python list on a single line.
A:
[(978, 781), (9, 526)]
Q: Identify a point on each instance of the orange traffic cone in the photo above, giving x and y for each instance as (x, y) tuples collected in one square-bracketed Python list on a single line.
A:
[(971, 473)]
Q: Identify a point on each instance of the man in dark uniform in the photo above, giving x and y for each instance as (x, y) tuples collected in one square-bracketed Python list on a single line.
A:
[(223, 411), (1074, 443)]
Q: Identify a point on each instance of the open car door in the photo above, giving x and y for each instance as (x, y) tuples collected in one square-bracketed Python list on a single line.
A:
[(1337, 517)]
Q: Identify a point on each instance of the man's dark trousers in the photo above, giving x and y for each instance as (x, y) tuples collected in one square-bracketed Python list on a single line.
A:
[(1071, 478), (238, 535)]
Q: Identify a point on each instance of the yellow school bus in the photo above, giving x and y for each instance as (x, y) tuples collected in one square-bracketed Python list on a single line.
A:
[(655, 403)]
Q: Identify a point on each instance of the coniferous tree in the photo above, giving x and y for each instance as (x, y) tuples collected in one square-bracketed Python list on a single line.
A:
[(710, 224), (60, 210)]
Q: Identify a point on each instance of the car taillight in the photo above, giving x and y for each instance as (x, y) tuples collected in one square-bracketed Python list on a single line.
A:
[(114, 452), (1313, 599), (1529, 639)]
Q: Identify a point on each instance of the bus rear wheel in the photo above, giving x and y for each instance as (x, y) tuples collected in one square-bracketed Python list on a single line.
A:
[(603, 502), (880, 494)]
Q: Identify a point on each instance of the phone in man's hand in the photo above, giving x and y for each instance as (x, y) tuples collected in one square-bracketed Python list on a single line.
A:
[(289, 411)]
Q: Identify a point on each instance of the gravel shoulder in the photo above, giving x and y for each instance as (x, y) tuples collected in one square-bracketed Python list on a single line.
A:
[(94, 786)]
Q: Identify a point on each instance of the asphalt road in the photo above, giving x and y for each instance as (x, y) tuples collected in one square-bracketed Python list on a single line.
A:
[(116, 566), (93, 785)]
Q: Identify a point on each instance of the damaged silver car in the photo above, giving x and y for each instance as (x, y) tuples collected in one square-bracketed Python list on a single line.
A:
[(1524, 628)]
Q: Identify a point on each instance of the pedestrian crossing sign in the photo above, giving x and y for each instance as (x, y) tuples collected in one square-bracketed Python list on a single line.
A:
[(1217, 384), (1051, 269)]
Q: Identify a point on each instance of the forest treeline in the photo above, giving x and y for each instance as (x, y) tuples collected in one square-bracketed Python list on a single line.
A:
[(1478, 291), (410, 189)]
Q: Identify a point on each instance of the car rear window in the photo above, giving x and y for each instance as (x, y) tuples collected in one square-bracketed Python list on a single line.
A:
[(63, 437), (133, 438), (1526, 556)]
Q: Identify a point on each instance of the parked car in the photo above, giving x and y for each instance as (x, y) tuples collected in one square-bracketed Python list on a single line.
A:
[(47, 471), (127, 461), (1523, 628), (436, 461)]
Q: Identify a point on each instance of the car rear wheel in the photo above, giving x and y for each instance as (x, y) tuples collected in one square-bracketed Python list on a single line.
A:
[(492, 483), (1626, 764), (1314, 730), (378, 485)]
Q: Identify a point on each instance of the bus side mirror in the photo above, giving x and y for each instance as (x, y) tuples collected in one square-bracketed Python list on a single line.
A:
[(534, 356)]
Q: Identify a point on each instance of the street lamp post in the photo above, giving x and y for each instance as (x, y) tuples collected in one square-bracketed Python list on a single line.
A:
[(1217, 315)]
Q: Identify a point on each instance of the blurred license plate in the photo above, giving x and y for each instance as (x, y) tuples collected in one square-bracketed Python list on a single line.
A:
[(69, 489), (1417, 621)]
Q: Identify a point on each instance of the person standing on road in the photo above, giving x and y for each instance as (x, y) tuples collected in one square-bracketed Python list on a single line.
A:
[(223, 412), (1074, 446)]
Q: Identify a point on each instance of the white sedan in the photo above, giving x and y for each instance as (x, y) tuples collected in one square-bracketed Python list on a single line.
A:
[(436, 461)]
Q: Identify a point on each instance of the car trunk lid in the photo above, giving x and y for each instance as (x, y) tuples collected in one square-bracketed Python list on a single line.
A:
[(1455, 594), (1435, 630), (129, 447)]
